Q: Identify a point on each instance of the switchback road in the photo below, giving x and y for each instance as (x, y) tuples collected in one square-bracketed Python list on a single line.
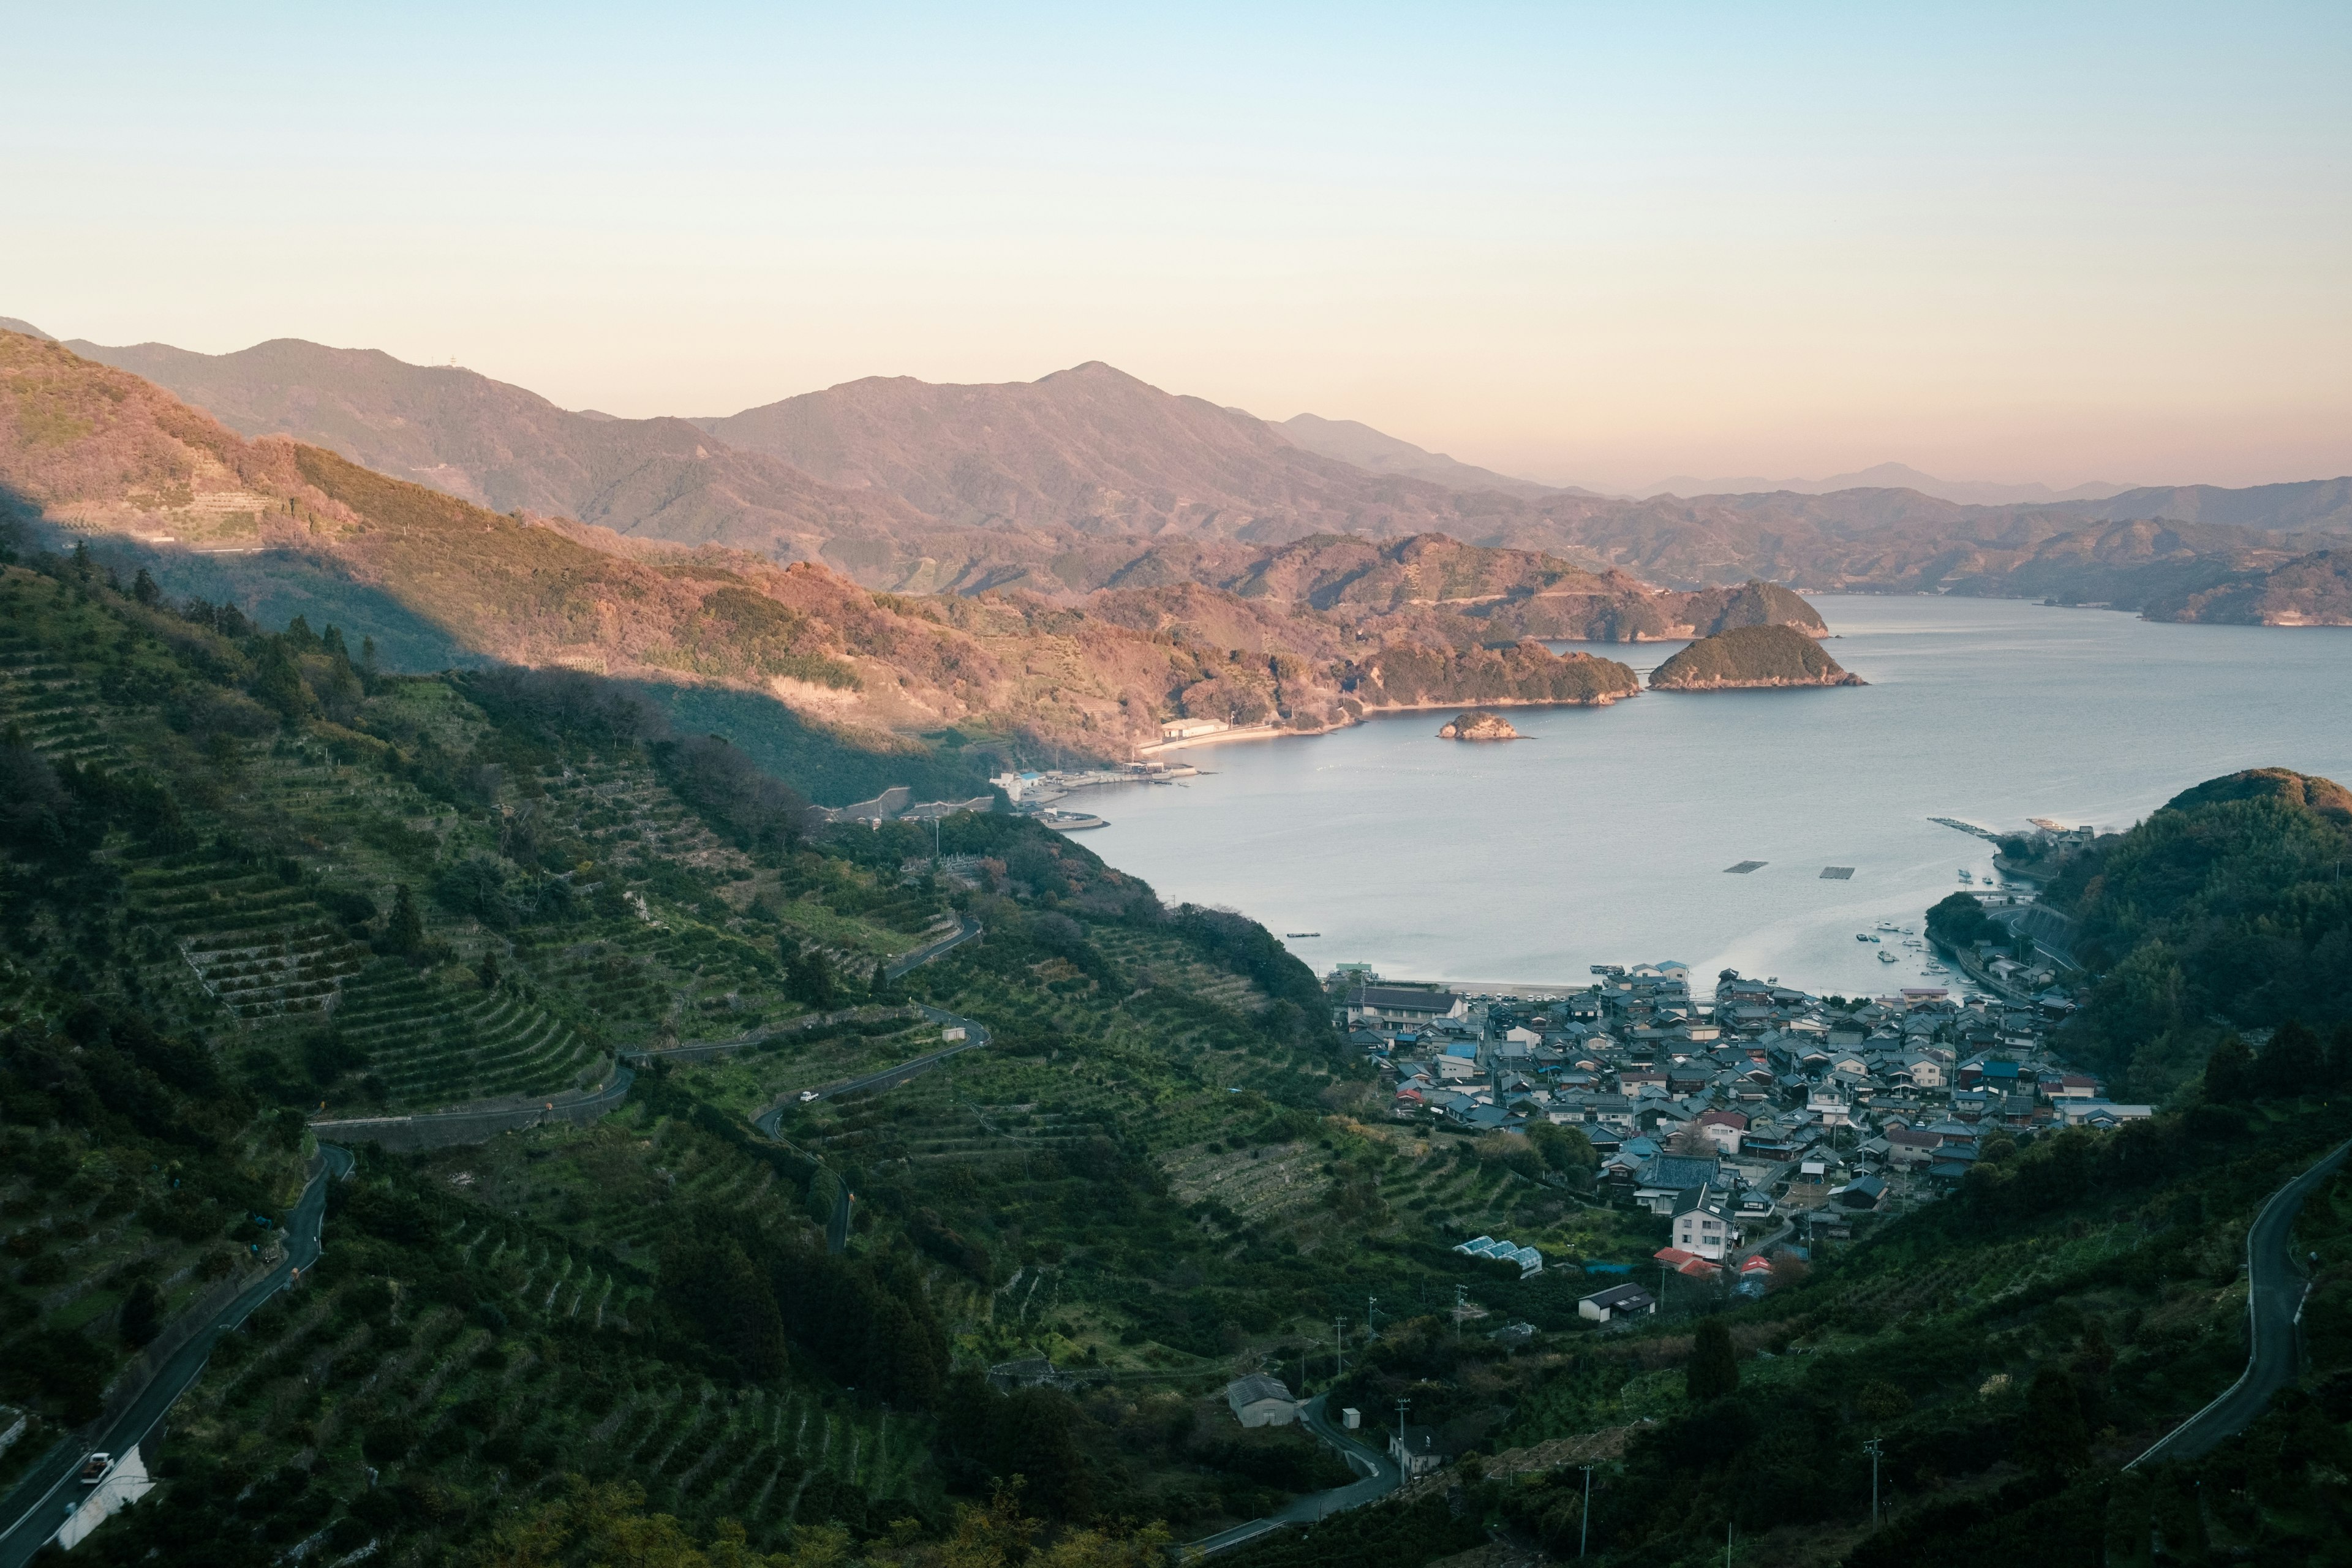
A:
[(2275, 1287), (40, 1502), (1378, 1476), (975, 1036)]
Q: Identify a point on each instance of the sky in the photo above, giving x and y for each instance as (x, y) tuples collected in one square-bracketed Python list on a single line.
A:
[(1590, 244)]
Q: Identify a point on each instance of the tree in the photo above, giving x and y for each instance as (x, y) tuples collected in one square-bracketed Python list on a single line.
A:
[(404, 932), (808, 976), (2053, 1439), (716, 1287), (487, 969), (1880, 1400), (1565, 1149), (143, 588), (1713, 1370), (2229, 1072), (143, 1313), (2291, 1064), (1690, 1142)]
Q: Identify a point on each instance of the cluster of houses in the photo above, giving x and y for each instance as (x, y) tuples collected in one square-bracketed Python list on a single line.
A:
[(1761, 1115)]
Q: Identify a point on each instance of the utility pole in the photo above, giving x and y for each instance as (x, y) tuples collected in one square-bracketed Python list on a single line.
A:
[(1584, 1520), (1339, 1351), (1460, 1306), (1370, 1303), (1405, 1455), (1874, 1448)]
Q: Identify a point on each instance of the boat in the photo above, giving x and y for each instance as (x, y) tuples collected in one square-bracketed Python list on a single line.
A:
[(1295, 935), (1885, 957), (1862, 936), (1965, 877)]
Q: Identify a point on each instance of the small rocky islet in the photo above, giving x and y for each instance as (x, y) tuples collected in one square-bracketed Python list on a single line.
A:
[(1478, 724)]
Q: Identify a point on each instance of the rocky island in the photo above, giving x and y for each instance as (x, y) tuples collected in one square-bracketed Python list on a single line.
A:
[(1751, 657), (1478, 724)]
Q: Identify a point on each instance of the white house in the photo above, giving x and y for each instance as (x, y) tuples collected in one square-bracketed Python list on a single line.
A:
[(1705, 1229), (1415, 1450), (1259, 1400)]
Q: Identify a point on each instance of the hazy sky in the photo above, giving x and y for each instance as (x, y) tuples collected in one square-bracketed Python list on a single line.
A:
[(1603, 243)]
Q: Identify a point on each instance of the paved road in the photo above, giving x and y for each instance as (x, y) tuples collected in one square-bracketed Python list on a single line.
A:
[(969, 930), (2274, 1292), (40, 1502), (975, 1036), (475, 1124), (1379, 1475)]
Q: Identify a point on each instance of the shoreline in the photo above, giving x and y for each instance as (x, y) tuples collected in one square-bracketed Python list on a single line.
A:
[(1278, 731)]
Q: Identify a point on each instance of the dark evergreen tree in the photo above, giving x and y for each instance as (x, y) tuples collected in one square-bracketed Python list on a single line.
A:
[(404, 932), (2293, 1064), (808, 976), (2053, 1439), (1713, 1370), (2229, 1072), (143, 1313)]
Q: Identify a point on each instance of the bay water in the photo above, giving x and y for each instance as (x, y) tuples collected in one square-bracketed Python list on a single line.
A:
[(1604, 836)]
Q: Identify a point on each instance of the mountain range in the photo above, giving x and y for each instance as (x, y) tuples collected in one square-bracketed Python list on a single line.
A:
[(1307, 634), (1089, 478), (1888, 475)]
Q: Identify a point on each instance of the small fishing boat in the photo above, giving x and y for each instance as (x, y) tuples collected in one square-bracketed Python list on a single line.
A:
[(1885, 957)]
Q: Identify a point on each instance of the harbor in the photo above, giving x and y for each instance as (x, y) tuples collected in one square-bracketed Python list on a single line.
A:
[(1034, 793)]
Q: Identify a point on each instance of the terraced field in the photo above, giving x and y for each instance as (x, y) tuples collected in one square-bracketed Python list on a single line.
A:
[(425, 1045)]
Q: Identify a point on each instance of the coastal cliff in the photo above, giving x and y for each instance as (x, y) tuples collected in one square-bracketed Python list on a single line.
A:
[(1751, 657), (1478, 724)]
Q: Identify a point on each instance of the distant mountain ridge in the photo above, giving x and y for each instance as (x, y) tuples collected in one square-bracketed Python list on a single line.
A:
[(1090, 477), (1887, 476), (1376, 452)]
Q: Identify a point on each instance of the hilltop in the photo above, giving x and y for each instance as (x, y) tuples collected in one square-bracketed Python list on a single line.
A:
[(1754, 655), (2164, 914)]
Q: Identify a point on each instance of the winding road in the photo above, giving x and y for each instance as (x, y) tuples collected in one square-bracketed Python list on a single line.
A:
[(2275, 1287), (1378, 1476), (39, 1503), (975, 1036), (967, 930)]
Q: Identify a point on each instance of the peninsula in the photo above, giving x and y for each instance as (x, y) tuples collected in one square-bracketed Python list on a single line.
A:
[(1478, 724), (1750, 657)]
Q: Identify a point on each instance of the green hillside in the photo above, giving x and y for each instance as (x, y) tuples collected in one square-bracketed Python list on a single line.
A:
[(2226, 911), (251, 881)]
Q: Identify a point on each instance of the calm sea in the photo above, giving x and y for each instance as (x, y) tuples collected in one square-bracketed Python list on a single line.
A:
[(1604, 836)]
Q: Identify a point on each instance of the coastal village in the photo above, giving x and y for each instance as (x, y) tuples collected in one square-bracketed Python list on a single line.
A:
[(1760, 1121), (1752, 1125)]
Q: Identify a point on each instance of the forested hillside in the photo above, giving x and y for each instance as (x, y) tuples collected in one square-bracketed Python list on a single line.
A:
[(252, 881), (2227, 910)]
